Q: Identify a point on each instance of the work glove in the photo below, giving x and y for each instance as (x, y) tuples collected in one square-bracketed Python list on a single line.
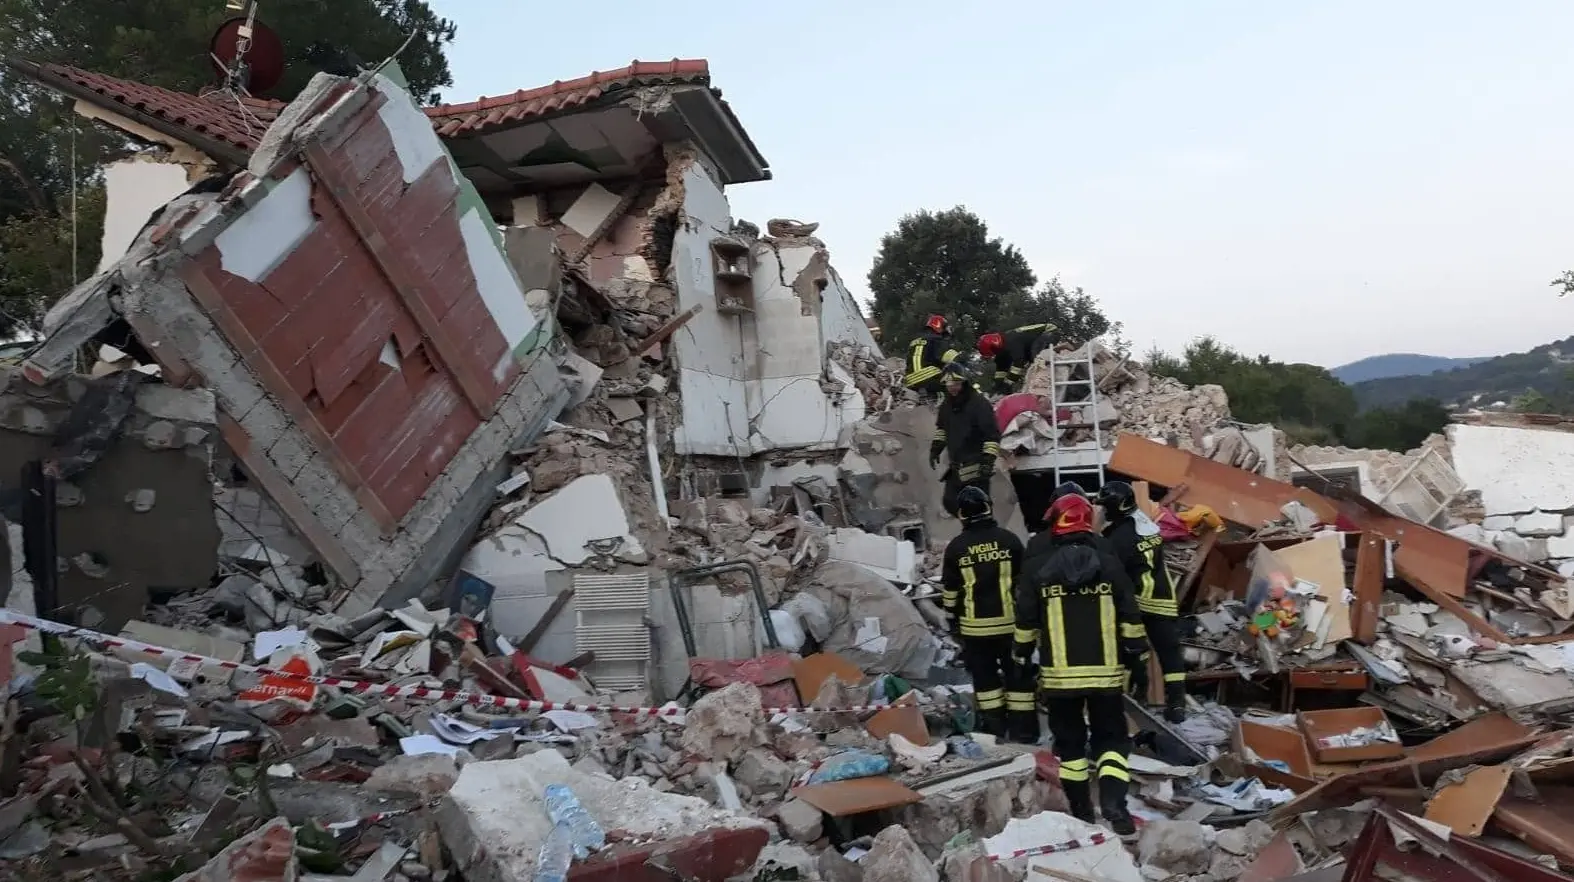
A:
[(1022, 654), (1137, 683), (935, 449), (1134, 650)]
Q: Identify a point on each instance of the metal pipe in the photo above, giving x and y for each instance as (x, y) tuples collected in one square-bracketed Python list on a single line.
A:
[(689, 576), (655, 465)]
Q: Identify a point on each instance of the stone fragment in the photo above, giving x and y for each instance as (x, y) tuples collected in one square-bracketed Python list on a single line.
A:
[(763, 772), (723, 724), (267, 854), (895, 857), (428, 775), (800, 821), (1539, 525), (1176, 846)]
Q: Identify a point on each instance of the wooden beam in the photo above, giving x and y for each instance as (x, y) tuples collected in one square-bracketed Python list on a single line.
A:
[(546, 620), (667, 330)]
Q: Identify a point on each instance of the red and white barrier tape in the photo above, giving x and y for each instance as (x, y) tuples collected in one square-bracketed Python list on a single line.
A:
[(1072, 845), (387, 690)]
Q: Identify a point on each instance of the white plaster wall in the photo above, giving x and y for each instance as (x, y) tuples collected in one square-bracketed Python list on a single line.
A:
[(1517, 470), (712, 368), (133, 190), (841, 319), (527, 560)]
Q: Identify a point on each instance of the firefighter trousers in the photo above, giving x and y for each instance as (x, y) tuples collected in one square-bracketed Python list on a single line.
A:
[(1091, 738), (1005, 694), (953, 487), (1164, 634)]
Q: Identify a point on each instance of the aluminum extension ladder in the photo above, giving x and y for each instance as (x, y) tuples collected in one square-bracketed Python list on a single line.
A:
[(1059, 389)]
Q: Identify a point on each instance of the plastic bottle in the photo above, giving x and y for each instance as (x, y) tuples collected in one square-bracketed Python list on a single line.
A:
[(556, 854), (565, 811)]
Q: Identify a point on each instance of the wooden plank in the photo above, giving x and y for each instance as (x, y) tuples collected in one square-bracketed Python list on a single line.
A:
[(539, 630), (1370, 564), (282, 492), (667, 330), (395, 268), (1465, 806)]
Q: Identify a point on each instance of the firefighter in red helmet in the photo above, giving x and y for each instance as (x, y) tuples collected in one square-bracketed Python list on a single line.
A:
[(1076, 611), (930, 355), (1014, 350)]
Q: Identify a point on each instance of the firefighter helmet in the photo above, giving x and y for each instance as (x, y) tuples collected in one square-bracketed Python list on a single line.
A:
[(1068, 488), (990, 344), (938, 324), (1118, 499), (972, 504), (1071, 513)]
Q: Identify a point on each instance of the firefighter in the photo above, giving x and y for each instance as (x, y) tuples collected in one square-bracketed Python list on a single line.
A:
[(929, 356), (1137, 543), (1077, 610), (966, 431), (1014, 350), (977, 583)]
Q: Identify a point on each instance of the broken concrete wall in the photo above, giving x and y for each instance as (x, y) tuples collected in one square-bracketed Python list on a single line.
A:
[(141, 515), (370, 346), (1526, 486), (714, 365), (133, 190)]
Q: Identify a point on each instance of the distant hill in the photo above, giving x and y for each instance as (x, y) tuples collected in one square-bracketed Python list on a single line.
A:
[(1398, 364), (1548, 369)]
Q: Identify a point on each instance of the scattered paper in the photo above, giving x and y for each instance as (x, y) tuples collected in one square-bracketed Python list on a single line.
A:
[(1247, 795), (456, 731), (570, 721), (158, 679), (269, 642), (421, 745)]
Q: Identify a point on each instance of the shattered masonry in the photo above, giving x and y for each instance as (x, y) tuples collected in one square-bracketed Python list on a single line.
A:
[(493, 416)]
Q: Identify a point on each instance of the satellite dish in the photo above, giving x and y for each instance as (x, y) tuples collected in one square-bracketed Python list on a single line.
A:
[(264, 60)]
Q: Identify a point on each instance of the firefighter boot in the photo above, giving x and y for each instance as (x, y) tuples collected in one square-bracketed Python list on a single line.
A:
[(1175, 702), (1079, 795), (1112, 805), (993, 722)]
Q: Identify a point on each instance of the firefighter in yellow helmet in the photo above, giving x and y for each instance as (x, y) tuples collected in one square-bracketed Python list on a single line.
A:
[(1077, 612)]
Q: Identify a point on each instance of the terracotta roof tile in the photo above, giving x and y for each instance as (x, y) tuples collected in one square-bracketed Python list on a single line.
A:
[(485, 113), (216, 117), (240, 125)]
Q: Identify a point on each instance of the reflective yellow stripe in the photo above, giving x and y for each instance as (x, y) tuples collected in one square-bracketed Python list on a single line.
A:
[(1057, 681), (991, 699), (1057, 632), (1167, 608), (948, 598), (996, 627), (1008, 602), (1017, 371), (939, 435), (1112, 772), (1074, 770), (1021, 701), (1175, 678), (949, 356), (992, 448), (1107, 628), (969, 581), (1138, 631), (1025, 637), (1025, 329), (967, 473), (921, 375)]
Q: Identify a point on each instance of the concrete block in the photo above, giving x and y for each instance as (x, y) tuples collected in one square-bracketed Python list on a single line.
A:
[(894, 559), (493, 820), (591, 208), (1539, 524), (266, 423), (1501, 522)]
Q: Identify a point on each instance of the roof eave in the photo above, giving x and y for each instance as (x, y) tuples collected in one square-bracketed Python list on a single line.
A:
[(218, 150), (717, 130)]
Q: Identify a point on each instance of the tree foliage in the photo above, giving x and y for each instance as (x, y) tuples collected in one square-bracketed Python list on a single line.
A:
[(1304, 400), (1493, 382), (163, 43), (946, 262)]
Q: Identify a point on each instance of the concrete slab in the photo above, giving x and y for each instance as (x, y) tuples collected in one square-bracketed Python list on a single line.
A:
[(494, 820)]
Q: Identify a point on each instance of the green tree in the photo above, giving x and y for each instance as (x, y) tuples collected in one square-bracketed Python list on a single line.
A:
[(944, 262), (1401, 428), (43, 145), (1531, 401)]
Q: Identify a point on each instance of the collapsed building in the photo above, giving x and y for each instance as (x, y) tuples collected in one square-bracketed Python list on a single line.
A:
[(432, 460)]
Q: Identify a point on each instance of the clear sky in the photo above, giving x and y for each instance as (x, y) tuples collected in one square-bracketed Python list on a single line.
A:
[(1318, 180)]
